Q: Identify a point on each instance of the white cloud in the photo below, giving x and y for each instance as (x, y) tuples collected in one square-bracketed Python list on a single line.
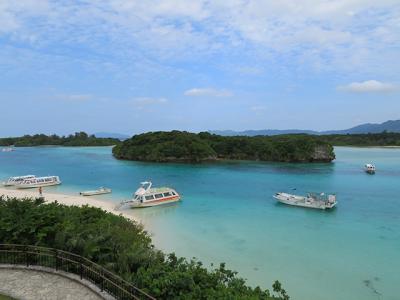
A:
[(336, 34), (368, 86), (75, 97), (208, 92), (143, 102), (258, 108)]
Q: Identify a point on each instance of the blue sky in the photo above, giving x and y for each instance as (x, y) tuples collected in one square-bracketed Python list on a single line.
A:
[(135, 66)]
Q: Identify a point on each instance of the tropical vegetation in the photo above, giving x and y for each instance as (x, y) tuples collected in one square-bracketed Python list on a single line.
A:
[(77, 139), (123, 247), (363, 140), (190, 147)]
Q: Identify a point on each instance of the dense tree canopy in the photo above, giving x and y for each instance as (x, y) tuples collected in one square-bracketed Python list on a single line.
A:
[(78, 139), (184, 146), (363, 140), (123, 247)]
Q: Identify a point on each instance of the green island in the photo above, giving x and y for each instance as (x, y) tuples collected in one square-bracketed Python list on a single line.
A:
[(123, 247), (363, 140), (77, 139), (181, 146)]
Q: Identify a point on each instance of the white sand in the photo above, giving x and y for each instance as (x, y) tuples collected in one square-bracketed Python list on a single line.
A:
[(67, 200)]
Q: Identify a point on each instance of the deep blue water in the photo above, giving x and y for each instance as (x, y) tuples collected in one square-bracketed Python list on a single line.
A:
[(228, 215)]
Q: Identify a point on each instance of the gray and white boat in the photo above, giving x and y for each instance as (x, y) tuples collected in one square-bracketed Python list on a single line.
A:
[(311, 200), (99, 191)]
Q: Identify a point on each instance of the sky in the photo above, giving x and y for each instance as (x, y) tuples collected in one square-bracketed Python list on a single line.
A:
[(136, 66)]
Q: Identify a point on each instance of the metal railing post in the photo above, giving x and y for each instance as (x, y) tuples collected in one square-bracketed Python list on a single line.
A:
[(56, 257), (26, 256)]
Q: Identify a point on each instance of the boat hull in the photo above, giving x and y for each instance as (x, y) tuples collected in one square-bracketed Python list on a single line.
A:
[(37, 185), (303, 202), (94, 193), (136, 204)]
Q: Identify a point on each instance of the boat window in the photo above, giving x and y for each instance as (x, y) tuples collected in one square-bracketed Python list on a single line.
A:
[(158, 196), (173, 193), (150, 197), (167, 194)]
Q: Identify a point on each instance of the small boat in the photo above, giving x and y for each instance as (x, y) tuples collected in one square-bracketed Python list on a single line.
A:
[(8, 149), (369, 168), (38, 182), (145, 196), (99, 191), (311, 200), (17, 180)]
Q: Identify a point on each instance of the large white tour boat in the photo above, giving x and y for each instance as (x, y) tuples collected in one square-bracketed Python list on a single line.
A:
[(369, 168), (39, 182), (17, 180), (145, 196), (312, 200)]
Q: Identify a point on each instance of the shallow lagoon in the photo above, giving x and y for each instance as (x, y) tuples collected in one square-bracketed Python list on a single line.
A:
[(228, 215)]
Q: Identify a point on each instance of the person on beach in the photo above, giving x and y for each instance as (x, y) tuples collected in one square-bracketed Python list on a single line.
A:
[(40, 191)]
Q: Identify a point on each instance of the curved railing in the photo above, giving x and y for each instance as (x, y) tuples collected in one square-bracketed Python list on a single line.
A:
[(71, 263)]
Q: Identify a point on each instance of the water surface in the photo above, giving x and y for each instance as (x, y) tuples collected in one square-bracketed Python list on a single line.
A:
[(228, 215)]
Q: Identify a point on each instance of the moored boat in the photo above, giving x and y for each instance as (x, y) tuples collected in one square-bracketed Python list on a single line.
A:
[(38, 182), (311, 200), (370, 168), (8, 149), (17, 179), (99, 191), (146, 196)]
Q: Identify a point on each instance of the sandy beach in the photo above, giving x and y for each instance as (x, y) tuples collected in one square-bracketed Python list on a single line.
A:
[(67, 200)]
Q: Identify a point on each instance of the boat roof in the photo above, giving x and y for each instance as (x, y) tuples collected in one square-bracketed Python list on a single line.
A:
[(25, 176), (159, 190)]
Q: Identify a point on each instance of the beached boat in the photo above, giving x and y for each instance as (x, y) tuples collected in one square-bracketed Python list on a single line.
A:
[(17, 179), (369, 168), (38, 182), (145, 196), (311, 200), (99, 191)]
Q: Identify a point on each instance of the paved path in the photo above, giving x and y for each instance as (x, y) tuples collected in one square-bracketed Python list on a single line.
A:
[(35, 285)]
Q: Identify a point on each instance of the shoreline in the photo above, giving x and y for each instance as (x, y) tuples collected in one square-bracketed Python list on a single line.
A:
[(69, 200)]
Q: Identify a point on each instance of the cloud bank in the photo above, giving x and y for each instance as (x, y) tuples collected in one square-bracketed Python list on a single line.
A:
[(368, 86), (208, 92)]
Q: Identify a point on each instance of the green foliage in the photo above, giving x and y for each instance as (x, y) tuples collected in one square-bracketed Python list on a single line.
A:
[(78, 139), (363, 140), (165, 146), (184, 146), (123, 247)]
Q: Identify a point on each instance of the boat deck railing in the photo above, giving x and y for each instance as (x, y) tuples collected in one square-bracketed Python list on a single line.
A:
[(106, 281)]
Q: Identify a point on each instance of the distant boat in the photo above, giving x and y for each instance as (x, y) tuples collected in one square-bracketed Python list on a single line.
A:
[(311, 200), (369, 168), (17, 180), (8, 149), (145, 196), (99, 191), (38, 182)]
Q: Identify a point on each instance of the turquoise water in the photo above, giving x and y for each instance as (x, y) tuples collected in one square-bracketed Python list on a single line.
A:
[(228, 215)]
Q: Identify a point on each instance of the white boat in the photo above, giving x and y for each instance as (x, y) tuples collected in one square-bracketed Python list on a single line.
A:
[(8, 149), (39, 182), (369, 168), (145, 196), (17, 180), (99, 191), (312, 200)]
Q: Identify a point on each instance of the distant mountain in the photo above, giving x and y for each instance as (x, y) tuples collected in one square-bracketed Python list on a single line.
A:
[(390, 126), (111, 135)]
